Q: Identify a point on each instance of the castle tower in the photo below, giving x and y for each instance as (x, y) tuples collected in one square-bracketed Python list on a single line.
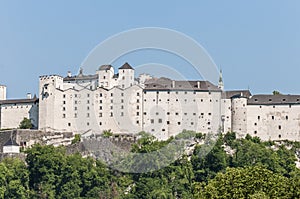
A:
[(49, 98), (221, 84), (126, 76), (2, 92), (105, 76), (239, 115)]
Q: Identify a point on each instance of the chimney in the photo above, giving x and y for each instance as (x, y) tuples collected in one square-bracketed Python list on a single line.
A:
[(69, 74), (173, 84), (29, 96), (198, 85)]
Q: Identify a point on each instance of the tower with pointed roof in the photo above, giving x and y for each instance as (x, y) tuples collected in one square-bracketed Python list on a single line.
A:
[(126, 76)]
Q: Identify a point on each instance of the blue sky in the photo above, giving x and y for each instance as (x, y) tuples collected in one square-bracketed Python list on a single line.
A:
[(256, 43)]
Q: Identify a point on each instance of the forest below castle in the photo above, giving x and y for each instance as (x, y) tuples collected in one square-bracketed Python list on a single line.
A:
[(232, 168)]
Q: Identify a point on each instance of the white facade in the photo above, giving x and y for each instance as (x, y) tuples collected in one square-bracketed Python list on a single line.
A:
[(116, 102), (160, 106), (12, 112), (11, 149)]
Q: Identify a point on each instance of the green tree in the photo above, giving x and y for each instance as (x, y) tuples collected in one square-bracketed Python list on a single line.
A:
[(25, 124), (276, 93), (250, 182)]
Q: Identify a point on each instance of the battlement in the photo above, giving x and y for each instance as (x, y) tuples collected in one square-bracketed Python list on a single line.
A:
[(45, 77)]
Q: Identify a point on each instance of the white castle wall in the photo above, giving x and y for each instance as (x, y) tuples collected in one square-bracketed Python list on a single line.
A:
[(274, 122), (226, 115), (13, 114)]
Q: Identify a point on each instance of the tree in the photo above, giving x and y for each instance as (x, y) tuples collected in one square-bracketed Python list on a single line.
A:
[(276, 93), (250, 182), (25, 124)]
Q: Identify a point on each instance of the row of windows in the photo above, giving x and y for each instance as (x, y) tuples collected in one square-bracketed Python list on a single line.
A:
[(176, 92), (176, 113), (16, 107), (273, 117), (185, 100)]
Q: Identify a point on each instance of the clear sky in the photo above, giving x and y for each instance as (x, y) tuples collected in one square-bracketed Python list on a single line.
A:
[(256, 43)]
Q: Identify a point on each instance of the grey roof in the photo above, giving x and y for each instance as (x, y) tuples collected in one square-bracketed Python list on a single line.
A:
[(81, 77), (105, 67), (11, 142), (116, 75), (19, 101), (126, 66), (167, 84), (274, 99), (236, 93)]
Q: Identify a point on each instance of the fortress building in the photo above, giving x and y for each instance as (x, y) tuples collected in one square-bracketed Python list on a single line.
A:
[(13, 111), (119, 102)]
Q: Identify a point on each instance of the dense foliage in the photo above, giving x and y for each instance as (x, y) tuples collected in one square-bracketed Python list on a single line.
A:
[(25, 124), (228, 168)]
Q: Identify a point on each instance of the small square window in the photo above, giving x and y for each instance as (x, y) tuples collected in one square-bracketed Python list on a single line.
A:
[(152, 121), (159, 120)]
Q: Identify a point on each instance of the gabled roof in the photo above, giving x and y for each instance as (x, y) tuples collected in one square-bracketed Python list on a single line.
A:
[(236, 93), (20, 101), (126, 66), (274, 99), (105, 67), (168, 84), (81, 77), (11, 142)]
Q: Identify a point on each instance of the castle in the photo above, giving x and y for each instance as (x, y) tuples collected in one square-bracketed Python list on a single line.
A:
[(124, 104)]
